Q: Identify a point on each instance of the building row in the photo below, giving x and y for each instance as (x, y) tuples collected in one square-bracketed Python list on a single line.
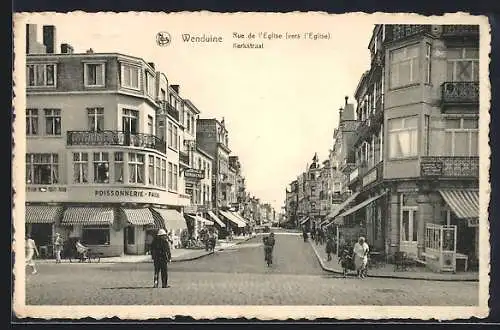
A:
[(114, 151), (403, 170)]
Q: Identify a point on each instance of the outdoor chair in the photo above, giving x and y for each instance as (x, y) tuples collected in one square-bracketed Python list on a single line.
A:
[(400, 261)]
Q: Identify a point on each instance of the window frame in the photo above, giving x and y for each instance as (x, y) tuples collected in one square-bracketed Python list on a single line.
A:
[(131, 114), (391, 132), (101, 160), (32, 121), (119, 163), (82, 164), (470, 132), (32, 163), (150, 85), (104, 228), (126, 66), (86, 66), (97, 114), (411, 60), (44, 85), (474, 64), (138, 167), (170, 176), (54, 114), (151, 170)]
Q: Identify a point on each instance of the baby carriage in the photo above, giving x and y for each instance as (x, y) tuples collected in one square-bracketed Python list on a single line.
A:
[(346, 261)]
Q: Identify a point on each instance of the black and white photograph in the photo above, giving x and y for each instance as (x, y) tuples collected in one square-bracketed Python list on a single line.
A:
[(276, 166)]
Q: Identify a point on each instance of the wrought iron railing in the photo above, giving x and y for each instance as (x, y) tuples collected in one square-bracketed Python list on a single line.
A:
[(460, 92), (460, 30), (170, 110), (449, 166), (115, 138)]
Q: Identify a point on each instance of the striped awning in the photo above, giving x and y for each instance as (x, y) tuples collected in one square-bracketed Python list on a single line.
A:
[(88, 216), (361, 205), (236, 214), (173, 219), (342, 206), (229, 216), (463, 202), (139, 217), (201, 219), (42, 213), (216, 219), (303, 220)]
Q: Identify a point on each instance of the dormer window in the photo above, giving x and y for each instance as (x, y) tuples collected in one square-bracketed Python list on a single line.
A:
[(41, 75), (94, 74), (130, 76)]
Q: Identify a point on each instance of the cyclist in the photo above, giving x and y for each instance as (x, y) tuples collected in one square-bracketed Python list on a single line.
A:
[(268, 248)]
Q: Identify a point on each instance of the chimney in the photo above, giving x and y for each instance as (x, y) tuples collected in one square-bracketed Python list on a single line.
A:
[(151, 64), (49, 38), (90, 51), (66, 49), (340, 114), (31, 38), (346, 98), (175, 88)]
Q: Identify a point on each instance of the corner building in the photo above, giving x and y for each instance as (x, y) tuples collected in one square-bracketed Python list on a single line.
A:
[(96, 159)]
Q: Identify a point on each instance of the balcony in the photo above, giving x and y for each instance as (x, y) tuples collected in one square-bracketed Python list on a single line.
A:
[(397, 32), (115, 138), (371, 125), (170, 110), (460, 93), (460, 31), (449, 166), (184, 158)]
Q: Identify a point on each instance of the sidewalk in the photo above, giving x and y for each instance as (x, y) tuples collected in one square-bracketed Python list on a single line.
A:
[(387, 271), (178, 255)]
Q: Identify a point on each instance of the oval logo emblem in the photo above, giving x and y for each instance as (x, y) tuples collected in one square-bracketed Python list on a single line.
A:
[(163, 39)]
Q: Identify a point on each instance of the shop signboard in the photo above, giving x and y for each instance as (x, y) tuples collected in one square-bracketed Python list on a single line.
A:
[(196, 174), (474, 222), (431, 168)]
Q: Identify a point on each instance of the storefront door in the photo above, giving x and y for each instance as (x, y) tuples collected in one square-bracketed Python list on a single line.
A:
[(409, 230)]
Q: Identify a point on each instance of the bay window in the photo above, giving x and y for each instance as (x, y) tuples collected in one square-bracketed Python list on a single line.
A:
[(403, 137), (42, 168), (31, 121), (462, 64), (95, 119), (130, 76), (52, 121), (461, 137), (118, 167), (404, 68), (80, 167), (136, 168), (101, 167), (41, 75), (94, 74)]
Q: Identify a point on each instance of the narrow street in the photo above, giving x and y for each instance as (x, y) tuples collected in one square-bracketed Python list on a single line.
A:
[(236, 276)]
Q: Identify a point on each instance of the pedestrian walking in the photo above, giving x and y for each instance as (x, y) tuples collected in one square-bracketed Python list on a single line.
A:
[(31, 251), (160, 253), (360, 252), (329, 248), (58, 247)]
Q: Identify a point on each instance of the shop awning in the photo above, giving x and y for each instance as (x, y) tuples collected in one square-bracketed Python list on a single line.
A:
[(42, 213), (304, 220), (236, 214), (139, 217), (173, 219), (463, 202), (342, 206), (229, 216), (216, 219), (361, 205), (201, 219), (88, 216)]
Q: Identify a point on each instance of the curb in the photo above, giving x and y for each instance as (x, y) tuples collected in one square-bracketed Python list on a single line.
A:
[(399, 277), (210, 253)]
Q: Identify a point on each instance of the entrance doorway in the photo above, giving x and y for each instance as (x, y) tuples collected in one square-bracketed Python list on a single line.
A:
[(409, 230)]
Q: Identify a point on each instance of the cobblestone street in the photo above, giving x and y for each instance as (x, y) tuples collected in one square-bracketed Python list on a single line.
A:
[(236, 276)]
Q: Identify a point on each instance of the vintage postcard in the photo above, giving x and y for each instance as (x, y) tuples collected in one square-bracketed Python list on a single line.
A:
[(259, 165)]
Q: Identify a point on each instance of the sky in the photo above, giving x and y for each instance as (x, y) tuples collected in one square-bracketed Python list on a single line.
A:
[(280, 103)]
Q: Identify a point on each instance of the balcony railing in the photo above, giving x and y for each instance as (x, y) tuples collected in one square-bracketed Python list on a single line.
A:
[(460, 31), (184, 157), (170, 110), (115, 138), (396, 32), (461, 92), (449, 166)]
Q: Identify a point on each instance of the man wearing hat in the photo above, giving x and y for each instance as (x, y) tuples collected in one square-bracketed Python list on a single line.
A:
[(58, 246), (160, 252)]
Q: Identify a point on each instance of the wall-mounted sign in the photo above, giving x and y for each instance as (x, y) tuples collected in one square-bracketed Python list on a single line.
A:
[(45, 189), (370, 177), (473, 222), (192, 173), (125, 193), (429, 168)]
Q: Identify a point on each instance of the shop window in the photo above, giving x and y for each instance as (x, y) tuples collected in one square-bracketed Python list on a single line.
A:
[(94, 74), (101, 167), (119, 167), (462, 64), (130, 76), (96, 235), (136, 168), (403, 137), (95, 119), (461, 137), (42, 168), (151, 170), (130, 235), (130, 121), (52, 121), (41, 75), (404, 66), (31, 121), (80, 167)]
